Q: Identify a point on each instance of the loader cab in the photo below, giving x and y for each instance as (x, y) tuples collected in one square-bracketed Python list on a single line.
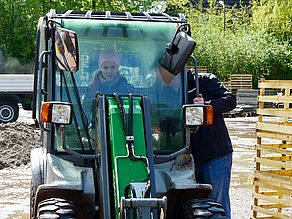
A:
[(140, 46), (110, 101)]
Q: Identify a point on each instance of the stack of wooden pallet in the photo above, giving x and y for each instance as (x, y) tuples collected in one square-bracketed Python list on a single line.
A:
[(272, 197), (239, 81), (201, 68)]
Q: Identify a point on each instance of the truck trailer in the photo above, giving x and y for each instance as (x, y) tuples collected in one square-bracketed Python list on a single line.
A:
[(15, 89)]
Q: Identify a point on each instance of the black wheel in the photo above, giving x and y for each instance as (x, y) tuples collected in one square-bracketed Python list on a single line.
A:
[(56, 208), (8, 112), (203, 208)]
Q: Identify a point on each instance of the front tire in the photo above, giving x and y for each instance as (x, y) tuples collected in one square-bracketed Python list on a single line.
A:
[(56, 208), (32, 201), (8, 111), (203, 208)]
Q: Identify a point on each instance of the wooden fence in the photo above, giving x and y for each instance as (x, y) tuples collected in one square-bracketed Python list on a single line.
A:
[(272, 196)]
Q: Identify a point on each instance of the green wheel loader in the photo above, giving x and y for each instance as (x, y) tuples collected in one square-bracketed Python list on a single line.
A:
[(124, 152)]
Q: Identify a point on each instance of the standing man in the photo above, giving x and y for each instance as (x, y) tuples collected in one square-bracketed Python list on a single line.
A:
[(211, 145)]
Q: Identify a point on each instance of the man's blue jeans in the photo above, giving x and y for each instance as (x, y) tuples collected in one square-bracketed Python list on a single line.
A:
[(217, 172)]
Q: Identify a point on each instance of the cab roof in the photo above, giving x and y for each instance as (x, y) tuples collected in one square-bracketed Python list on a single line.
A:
[(107, 15)]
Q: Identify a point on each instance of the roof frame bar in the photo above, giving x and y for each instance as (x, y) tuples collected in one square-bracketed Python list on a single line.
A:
[(107, 15)]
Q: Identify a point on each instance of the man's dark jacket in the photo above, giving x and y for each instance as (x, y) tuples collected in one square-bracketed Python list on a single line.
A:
[(212, 141)]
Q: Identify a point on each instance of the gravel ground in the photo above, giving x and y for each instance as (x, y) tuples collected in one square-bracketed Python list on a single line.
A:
[(17, 139), (243, 137)]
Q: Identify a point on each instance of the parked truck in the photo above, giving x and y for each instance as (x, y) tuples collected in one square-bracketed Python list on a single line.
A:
[(119, 154), (15, 89)]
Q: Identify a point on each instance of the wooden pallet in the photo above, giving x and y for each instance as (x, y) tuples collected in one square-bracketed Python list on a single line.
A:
[(239, 81), (201, 68), (272, 196)]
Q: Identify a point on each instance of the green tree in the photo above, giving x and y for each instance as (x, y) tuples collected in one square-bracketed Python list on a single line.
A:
[(243, 48), (19, 18), (274, 17), (15, 25)]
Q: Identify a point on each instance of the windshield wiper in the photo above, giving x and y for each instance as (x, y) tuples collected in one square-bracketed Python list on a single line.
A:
[(83, 116)]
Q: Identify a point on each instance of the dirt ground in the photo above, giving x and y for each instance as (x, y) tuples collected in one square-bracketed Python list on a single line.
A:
[(17, 139)]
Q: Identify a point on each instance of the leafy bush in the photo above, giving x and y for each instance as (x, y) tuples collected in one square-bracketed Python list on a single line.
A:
[(273, 17), (249, 53), (19, 19), (14, 66), (248, 44), (239, 49)]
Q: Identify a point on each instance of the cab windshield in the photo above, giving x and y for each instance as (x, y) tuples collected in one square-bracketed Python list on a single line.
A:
[(121, 57)]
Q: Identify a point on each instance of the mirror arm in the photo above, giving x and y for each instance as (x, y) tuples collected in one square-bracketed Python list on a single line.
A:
[(196, 75), (190, 131), (179, 29), (188, 138), (54, 22), (171, 48), (40, 88)]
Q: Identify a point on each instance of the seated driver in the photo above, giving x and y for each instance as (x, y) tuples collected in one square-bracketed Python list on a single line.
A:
[(108, 79)]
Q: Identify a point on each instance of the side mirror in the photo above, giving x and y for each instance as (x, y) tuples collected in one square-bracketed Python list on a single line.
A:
[(196, 115), (66, 48), (177, 53)]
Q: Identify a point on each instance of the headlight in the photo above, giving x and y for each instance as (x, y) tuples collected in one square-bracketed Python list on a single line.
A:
[(194, 116), (56, 113), (197, 114)]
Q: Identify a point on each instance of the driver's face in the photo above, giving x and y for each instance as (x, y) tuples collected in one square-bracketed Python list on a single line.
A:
[(109, 70)]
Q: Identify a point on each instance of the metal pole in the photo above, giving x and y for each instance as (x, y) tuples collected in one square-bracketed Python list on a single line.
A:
[(196, 75), (224, 18), (224, 14), (93, 4)]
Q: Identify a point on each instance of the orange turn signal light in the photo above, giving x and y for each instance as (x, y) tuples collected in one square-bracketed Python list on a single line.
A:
[(209, 115), (46, 112)]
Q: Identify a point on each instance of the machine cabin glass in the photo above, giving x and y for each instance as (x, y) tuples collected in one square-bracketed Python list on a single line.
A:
[(139, 46)]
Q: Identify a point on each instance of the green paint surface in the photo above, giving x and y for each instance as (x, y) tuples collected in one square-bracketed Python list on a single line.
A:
[(126, 170)]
